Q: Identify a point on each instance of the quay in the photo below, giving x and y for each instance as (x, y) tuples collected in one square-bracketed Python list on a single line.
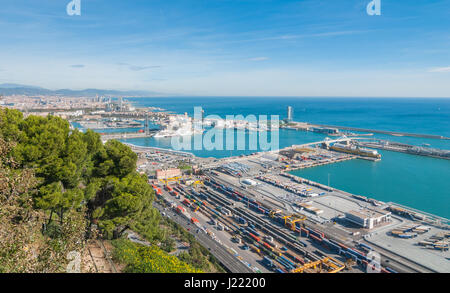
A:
[(406, 148), (250, 205), (393, 133), (126, 135)]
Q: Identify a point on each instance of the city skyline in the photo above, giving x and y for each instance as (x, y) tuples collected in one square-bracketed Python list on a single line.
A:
[(230, 48)]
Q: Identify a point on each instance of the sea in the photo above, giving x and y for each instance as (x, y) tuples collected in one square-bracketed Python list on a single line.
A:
[(419, 182)]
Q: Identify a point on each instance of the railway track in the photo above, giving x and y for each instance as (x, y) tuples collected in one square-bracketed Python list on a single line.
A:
[(388, 259), (271, 230), (219, 199)]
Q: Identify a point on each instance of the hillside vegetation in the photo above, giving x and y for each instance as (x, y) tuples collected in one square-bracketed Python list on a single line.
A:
[(60, 187)]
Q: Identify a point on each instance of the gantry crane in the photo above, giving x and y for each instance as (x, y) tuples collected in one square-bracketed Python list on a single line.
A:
[(292, 219), (332, 266), (173, 179), (273, 213)]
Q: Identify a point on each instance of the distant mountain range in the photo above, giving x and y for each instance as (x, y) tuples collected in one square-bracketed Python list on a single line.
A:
[(7, 89)]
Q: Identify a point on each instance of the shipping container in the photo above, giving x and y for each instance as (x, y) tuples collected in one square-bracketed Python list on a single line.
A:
[(365, 246)]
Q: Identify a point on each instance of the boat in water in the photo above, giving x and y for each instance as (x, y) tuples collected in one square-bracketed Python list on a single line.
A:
[(185, 131), (355, 150)]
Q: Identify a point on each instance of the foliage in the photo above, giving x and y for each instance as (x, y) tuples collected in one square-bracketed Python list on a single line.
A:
[(142, 259), (56, 184), (75, 169), (23, 248)]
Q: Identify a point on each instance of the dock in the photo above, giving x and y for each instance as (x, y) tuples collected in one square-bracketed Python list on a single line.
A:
[(393, 133), (126, 135), (406, 148)]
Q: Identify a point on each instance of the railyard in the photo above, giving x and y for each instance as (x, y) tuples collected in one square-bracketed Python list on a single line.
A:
[(272, 221)]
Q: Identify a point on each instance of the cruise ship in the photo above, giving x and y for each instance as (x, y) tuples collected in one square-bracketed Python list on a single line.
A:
[(185, 131), (355, 150)]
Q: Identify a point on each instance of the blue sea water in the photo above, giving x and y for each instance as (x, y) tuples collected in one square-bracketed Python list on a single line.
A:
[(418, 115), (415, 181), (415, 115), (419, 182)]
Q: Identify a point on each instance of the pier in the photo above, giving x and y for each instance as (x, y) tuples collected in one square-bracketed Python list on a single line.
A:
[(126, 135), (393, 133), (406, 148)]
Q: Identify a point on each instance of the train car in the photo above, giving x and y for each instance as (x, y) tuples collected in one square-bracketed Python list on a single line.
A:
[(391, 270), (265, 244), (253, 231), (304, 232), (186, 202), (315, 238), (277, 252), (318, 233), (203, 196), (254, 237), (255, 249)]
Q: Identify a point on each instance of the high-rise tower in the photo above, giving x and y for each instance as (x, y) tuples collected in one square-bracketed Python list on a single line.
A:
[(290, 113)]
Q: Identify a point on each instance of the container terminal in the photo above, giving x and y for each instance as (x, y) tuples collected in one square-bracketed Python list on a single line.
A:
[(270, 221)]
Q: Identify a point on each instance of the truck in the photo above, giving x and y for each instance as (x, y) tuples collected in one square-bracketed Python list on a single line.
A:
[(242, 220), (226, 212), (269, 239), (236, 240)]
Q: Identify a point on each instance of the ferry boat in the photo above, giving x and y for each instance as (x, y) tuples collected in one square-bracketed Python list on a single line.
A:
[(352, 149)]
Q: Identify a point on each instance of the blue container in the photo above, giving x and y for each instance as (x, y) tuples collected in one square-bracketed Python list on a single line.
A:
[(390, 270), (365, 246)]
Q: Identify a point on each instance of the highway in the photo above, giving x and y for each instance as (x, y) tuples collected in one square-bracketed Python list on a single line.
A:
[(229, 261)]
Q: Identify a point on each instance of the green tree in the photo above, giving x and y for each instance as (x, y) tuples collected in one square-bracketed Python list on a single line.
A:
[(115, 159), (122, 203)]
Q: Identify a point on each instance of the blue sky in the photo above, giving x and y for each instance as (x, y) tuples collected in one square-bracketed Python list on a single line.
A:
[(230, 47)]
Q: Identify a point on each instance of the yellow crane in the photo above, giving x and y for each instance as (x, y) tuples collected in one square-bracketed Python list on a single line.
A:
[(273, 213), (292, 219), (173, 179), (309, 265), (331, 265), (198, 182)]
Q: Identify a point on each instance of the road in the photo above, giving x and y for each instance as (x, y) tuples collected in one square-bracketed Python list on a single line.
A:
[(229, 261)]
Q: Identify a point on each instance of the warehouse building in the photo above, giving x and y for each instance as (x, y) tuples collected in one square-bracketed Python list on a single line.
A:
[(169, 173), (368, 218), (249, 182)]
